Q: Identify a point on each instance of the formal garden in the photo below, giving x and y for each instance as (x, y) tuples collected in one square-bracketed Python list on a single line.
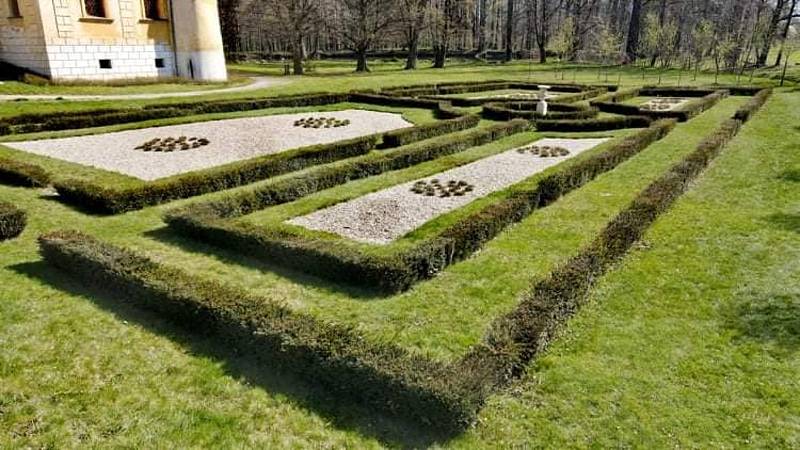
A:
[(390, 260)]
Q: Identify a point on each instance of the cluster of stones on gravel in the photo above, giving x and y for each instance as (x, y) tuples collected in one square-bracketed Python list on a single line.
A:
[(544, 151), (664, 103), (386, 215), (171, 144), (321, 122), (435, 187), (230, 140)]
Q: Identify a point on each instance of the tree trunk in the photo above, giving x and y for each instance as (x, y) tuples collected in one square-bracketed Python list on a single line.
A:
[(510, 30), (785, 33), (439, 56), (542, 53), (413, 52), (362, 65), (774, 20), (297, 56), (482, 28), (634, 30)]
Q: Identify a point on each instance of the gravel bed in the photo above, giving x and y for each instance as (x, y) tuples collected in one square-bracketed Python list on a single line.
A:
[(230, 140), (383, 216), (665, 103)]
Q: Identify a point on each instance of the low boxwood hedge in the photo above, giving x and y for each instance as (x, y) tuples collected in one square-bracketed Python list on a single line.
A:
[(683, 113), (595, 124), (108, 200), (12, 221), (527, 110), (407, 136), (518, 337), (336, 357), (746, 112), (343, 262), (18, 173)]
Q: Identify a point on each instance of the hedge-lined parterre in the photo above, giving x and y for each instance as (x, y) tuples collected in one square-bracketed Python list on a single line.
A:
[(295, 187), (12, 221), (518, 337), (335, 357), (398, 138), (342, 261), (436, 394), (527, 110), (703, 100)]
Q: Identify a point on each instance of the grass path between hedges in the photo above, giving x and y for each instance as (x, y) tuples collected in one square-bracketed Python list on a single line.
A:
[(692, 341)]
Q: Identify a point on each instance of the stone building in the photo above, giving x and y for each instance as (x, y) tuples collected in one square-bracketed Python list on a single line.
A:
[(113, 39)]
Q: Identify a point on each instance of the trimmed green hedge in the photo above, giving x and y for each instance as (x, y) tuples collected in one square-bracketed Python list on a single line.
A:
[(343, 262), (518, 337), (682, 113), (19, 173), (12, 221), (407, 136), (100, 199), (336, 357), (745, 113), (527, 110), (587, 125)]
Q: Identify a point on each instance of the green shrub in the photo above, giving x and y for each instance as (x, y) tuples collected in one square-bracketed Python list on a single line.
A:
[(587, 125), (19, 173), (527, 110), (406, 136), (343, 262), (101, 199), (381, 375), (12, 221), (746, 112)]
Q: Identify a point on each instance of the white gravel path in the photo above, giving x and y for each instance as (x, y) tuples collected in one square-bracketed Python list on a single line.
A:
[(256, 84), (230, 140), (383, 216)]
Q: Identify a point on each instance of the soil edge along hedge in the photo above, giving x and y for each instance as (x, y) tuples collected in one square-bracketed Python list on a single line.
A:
[(336, 357), (342, 262), (12, 221)]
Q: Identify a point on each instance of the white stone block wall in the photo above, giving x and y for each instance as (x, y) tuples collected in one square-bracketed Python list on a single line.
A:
[(81, 60)]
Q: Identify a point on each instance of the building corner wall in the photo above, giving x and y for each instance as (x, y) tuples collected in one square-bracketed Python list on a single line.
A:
[(198, 40), (22, 39)]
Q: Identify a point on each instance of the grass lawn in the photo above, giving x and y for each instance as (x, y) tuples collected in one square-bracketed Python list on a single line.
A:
[(692, 341), (344, 79), (145, 87)]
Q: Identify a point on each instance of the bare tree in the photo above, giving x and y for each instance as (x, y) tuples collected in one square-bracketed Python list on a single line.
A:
[(412, 16), (296, 19), (363, 21)]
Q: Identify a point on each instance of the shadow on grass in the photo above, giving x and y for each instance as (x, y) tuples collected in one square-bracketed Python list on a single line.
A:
[(167, 236), (767, 318), (341, 412), (790, 222), (792, 175)]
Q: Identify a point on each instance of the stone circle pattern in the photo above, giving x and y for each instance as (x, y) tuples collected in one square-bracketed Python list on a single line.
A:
[(171, 144), (321, 122), (545, 151), (436, 188)]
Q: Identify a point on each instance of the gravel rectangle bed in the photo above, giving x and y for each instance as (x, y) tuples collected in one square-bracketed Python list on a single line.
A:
[(383, 216), (229, 140), (664, 103)]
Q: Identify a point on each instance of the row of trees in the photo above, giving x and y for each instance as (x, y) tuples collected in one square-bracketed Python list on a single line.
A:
[(730, 33)]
